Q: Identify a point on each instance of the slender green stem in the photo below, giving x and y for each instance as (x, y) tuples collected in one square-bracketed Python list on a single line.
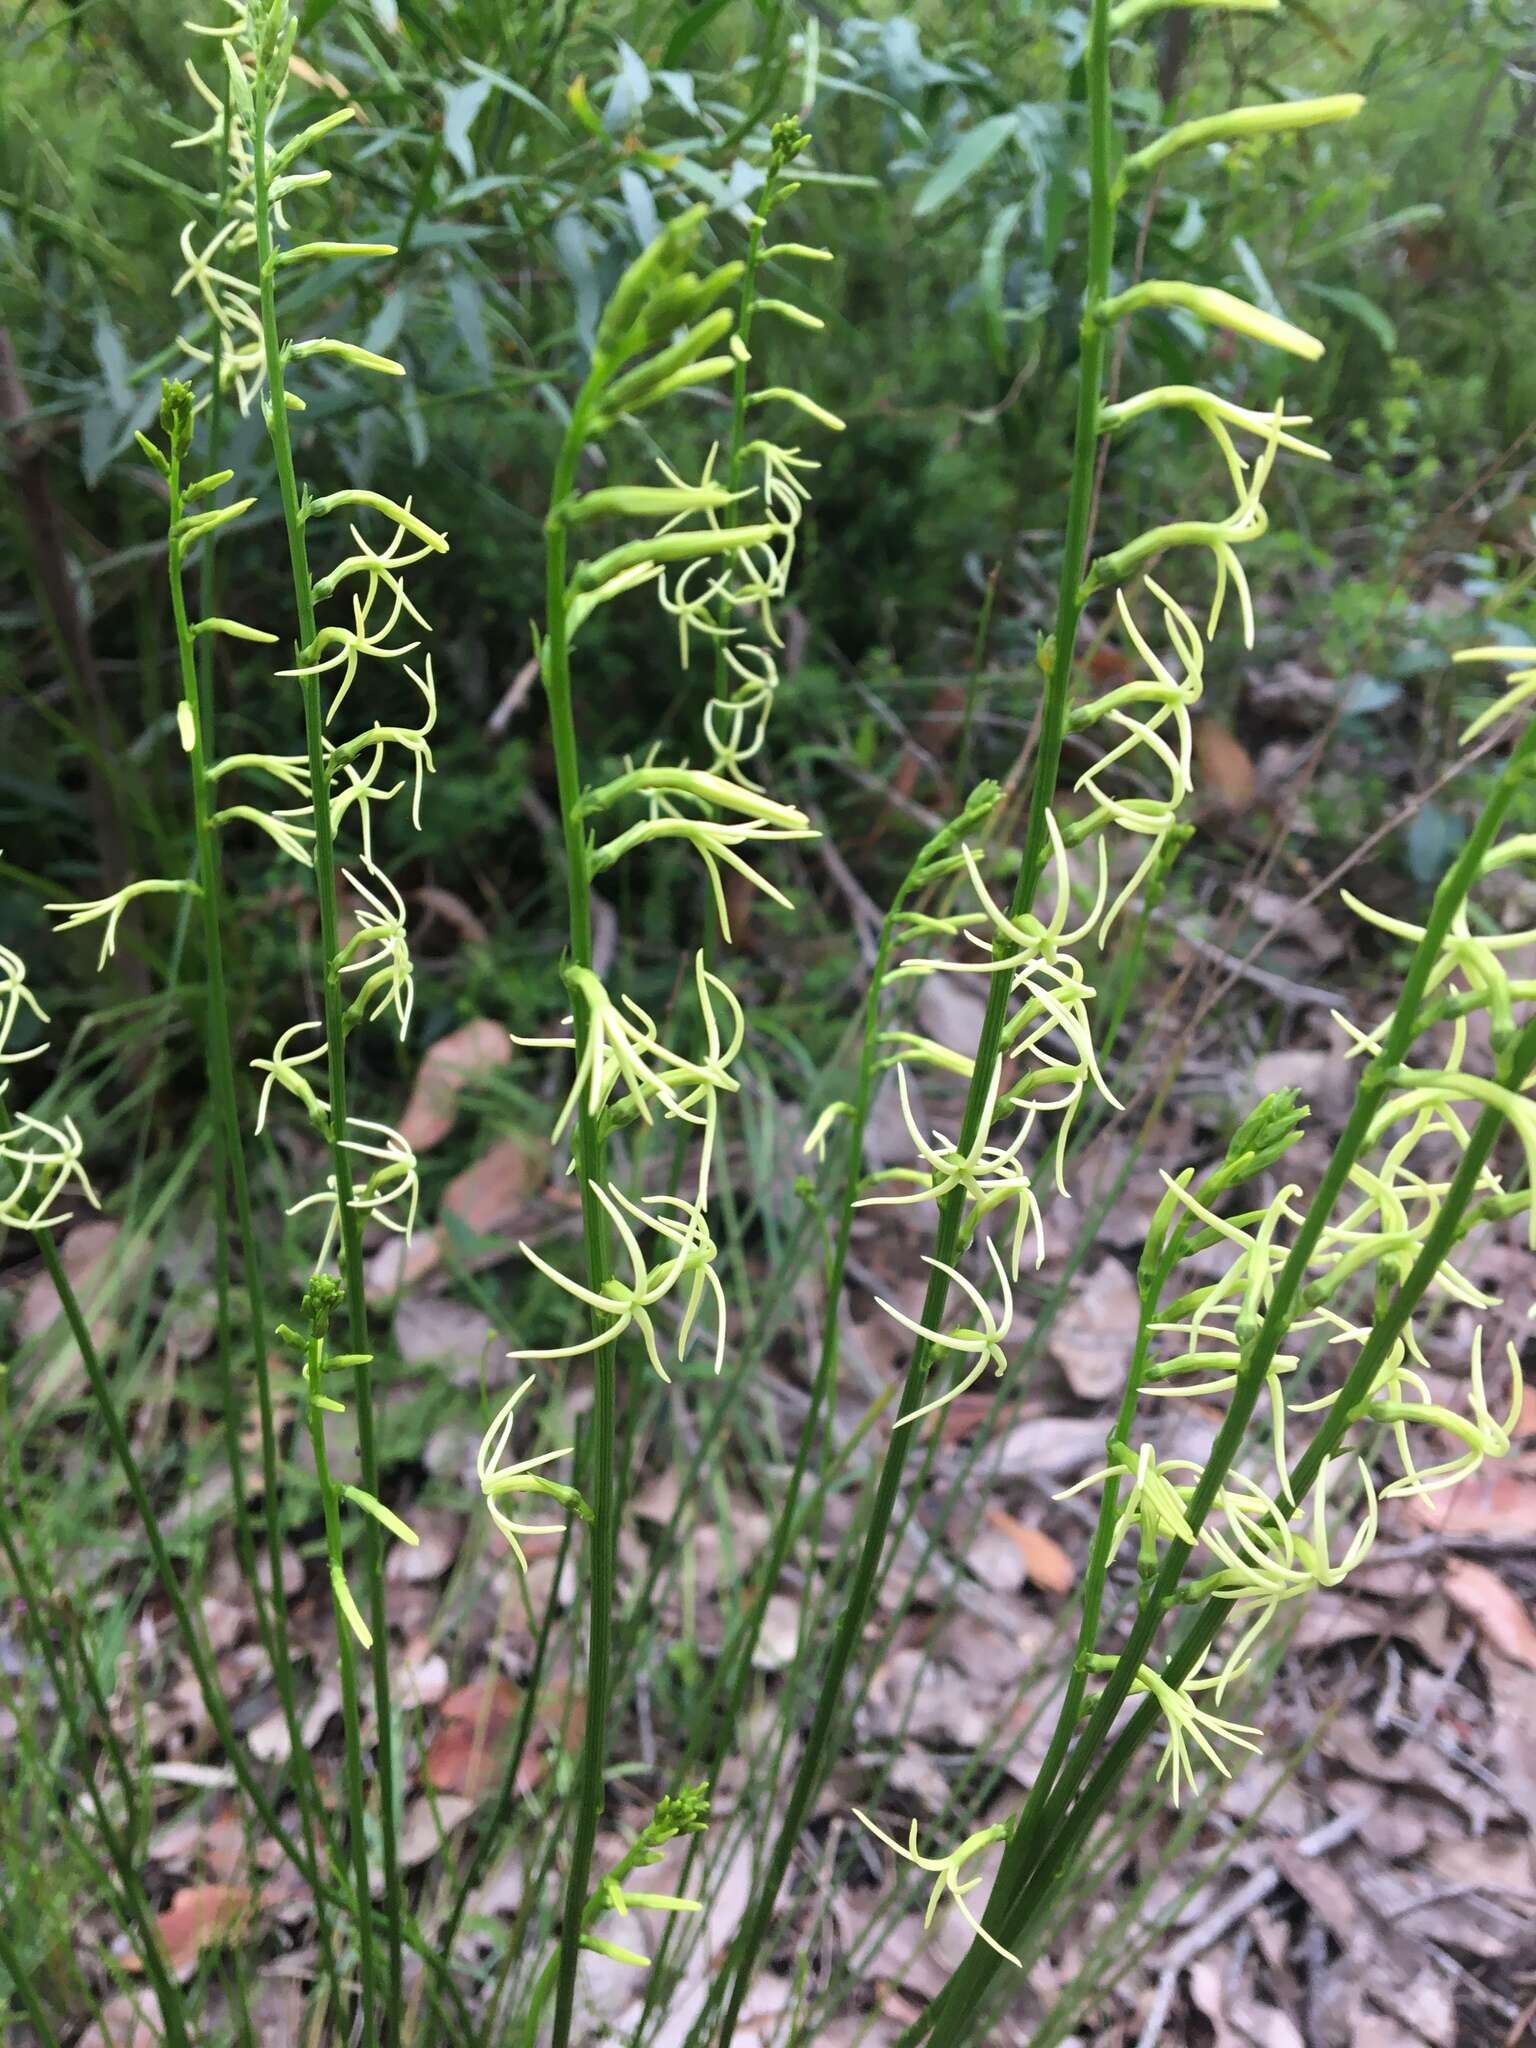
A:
[(951, 1214), (545, 1981), (208, 853), (165, 1570), (493, 1833), (729, 515), (345, 1653), (271, 1610), (336, 1075), (975, 672), (119, 1850), (744, 313), (214, 1704), (21, 1984), (735, 1661), (599, 1486)]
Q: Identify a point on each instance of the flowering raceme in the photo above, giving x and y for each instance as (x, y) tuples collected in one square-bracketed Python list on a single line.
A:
[(717, 556), (1417, 1182), (718, 560), (338, 782)]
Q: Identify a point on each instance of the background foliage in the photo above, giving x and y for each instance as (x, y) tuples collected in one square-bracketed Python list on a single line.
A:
[(518, 153)]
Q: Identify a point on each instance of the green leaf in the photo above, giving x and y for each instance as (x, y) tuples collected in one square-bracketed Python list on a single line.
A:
[(115, 366), (1367, 694), (699, 16), (1359, 308), (993, 251), (975, 149), (469, 318), (629, 92), (1434, 840), (461, 103)]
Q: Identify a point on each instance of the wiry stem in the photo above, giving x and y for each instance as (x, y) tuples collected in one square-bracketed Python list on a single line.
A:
[(160, 1558), (21, 1983), (1053, 725), (119, 1851), (209, 1689), (346, 1653), (271, 1610), (733, 1669), (599, 1486), (336, 1074)]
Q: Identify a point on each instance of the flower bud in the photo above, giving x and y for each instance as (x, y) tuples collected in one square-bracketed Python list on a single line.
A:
[(786, 139), (152, 455), (322, 1297), (643, 501), (176, 415), (648, 379), (1217, 308), (1263, 1135), (652, 269), (687, 299), (1277, 117)]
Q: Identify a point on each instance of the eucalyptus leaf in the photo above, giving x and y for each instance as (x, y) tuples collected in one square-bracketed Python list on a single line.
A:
[(1359, 308), (461, 103), (1434, 839), (1366, 694), (975, 149)]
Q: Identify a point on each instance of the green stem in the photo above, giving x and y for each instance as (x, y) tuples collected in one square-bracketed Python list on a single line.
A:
[(736, 439), (209, 1690), (1201, 1631), (974, 675), (599, 1486), (336, 1074), (119, 1851), (21, 1984), (346, 1657), (735, 1660), (271, 1609), (493, 1834), (165, 1571), (951, 1214), (593, 1907)]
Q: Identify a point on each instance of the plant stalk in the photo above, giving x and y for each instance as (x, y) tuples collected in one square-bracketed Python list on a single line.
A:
[(119, 1851), (336, 1076), (600, 1488), (21, 1984), (271, 1613), (735, 1661), (951, 1214)]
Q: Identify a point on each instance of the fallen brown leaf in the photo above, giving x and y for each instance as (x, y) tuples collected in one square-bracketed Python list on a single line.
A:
[(199, 1916), (488, 1195), (468, 1754), (1095, 1334), (1045, 1562), (1226, 782), (473, 1050), (1500, 1500), (1498, 1614)]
